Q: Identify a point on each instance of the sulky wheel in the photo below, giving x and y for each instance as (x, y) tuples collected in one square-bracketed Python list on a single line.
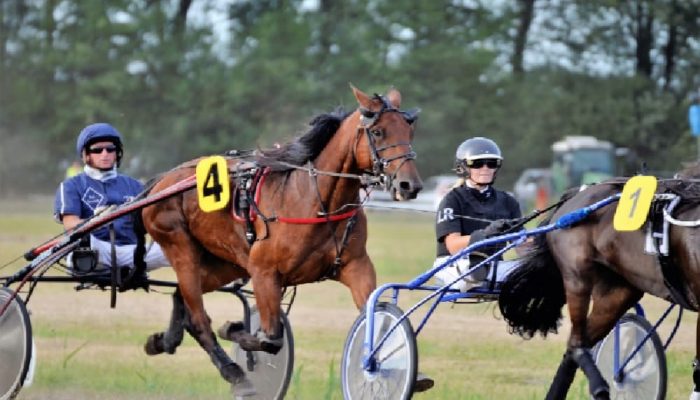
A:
[(269, 373), (396, 361), (15, 344), (644, 377)]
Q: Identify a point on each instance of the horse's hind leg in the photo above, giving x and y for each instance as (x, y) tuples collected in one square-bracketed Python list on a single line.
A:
[(169, 340), (186, 257), (695, 394), (612, 297)]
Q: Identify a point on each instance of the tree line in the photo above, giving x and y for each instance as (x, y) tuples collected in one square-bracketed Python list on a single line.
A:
[(183, 78)]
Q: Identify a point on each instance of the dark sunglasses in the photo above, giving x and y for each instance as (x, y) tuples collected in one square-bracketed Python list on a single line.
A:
[(98, 150), (492, 163)]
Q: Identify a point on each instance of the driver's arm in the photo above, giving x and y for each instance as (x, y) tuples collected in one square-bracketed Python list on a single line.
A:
[(456, 242), (70, 221)]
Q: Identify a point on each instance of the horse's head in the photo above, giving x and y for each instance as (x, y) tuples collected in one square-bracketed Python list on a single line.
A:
[(384, 141)]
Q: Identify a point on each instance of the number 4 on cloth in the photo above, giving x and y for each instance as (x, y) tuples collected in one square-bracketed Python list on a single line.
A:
[(635, 202), (213, 183)]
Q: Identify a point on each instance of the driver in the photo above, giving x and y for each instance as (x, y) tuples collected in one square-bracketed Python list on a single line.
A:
[(472, 211), (98, 186)]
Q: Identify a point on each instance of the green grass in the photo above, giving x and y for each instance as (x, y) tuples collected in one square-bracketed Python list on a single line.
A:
[(88, 351)]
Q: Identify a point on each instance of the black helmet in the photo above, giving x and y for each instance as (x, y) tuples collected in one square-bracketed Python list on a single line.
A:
[(476, 148)]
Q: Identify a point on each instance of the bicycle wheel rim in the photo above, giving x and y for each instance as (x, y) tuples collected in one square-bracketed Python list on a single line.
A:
[(270, 373), (397, 359), (645, 374), (15, 345)]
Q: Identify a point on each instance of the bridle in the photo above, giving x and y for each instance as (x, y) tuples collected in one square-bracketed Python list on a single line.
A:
[(368, 121)]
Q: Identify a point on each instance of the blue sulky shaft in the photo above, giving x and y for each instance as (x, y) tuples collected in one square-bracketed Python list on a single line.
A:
[(565, 221)]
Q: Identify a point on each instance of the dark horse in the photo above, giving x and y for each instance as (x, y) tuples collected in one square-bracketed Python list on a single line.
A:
[(315, 177), (600, 273)]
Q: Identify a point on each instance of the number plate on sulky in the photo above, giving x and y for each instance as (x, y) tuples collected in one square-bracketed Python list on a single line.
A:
[(635, 202), (213, 183)]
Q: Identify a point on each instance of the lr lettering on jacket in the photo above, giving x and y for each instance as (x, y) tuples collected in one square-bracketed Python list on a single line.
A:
[(446, 214)]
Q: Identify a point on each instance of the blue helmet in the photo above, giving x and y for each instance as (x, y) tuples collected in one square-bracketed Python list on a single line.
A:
[(99, 132)]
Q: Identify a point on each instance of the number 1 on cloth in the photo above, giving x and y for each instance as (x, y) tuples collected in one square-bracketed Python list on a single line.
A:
[(635, 203)]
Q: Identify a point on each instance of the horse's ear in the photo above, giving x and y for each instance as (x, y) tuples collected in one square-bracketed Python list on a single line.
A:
[(361, 97), (394, 97)]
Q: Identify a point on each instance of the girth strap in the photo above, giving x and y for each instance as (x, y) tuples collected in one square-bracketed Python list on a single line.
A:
[(672, 276)]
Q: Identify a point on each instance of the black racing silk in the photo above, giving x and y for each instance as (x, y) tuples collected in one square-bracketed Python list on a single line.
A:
[(489, 205)]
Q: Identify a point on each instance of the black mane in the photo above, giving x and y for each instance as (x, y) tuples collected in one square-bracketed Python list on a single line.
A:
[(305, 147)]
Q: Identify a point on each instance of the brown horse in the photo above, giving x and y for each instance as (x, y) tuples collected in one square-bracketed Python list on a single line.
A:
[(317, 177), (600, 273)]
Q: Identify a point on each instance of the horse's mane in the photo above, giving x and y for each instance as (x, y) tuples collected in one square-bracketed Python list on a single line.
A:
[(305, 147), (690, 170)]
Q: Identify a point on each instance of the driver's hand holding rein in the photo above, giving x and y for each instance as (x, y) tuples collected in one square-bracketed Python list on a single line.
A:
[(100, 147), (464, 213)]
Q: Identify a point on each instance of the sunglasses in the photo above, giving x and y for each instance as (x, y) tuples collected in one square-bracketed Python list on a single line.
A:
[(491, 163), (98, 150)]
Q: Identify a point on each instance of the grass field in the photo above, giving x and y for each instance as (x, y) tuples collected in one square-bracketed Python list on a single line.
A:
[(88, 351)]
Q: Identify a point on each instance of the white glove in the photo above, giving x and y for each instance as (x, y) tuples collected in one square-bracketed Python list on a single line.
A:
[(100, 210)]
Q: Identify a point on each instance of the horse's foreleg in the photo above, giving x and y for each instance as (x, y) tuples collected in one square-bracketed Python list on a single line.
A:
[(268, 297), (169, 340), (359, 276)]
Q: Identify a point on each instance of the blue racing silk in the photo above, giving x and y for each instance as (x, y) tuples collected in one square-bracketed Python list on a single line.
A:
[(81, 195)]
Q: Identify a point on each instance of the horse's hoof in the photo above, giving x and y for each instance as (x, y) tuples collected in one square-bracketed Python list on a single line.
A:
[(247, 341), (243, 388), (234, 375), (602, 394), (271, 346), (154, 344), (229, 329)]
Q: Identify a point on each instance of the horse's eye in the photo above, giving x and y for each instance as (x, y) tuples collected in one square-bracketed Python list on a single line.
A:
[(377, 133), (367, 113)]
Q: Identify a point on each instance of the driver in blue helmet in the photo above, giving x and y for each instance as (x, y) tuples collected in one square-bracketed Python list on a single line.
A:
[(472, 211), (97, 187)]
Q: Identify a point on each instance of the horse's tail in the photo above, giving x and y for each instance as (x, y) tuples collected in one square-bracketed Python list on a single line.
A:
[(532, 296)]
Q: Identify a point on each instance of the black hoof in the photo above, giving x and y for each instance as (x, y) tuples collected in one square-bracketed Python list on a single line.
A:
[(154, 344), (272, 347), (423, 383), (230, 330)]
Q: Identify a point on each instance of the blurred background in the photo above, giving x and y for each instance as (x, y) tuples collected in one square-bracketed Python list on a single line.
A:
[(183, 78)]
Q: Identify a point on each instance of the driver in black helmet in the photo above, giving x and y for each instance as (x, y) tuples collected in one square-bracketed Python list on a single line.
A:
[(472, 211)]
